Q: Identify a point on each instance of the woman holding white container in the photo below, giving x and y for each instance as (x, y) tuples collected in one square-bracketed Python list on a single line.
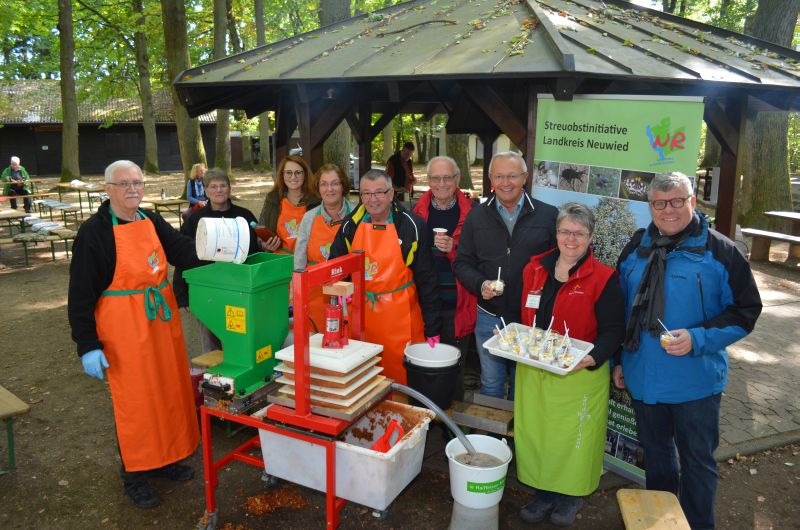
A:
[(560, 421)]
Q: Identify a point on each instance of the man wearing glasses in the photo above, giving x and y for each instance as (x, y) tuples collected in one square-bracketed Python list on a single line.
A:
[(497, 241), (124, 319), (402, 301), (690, 293)]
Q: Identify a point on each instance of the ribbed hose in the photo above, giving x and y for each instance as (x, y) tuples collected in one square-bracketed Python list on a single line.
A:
[(439, 412)]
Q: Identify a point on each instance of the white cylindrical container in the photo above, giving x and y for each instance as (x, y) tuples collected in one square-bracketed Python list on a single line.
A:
[(220, 239), (478, 487)]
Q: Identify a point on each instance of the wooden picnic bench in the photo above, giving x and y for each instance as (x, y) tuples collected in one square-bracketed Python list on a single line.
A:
[(11, 407), (762, 239)]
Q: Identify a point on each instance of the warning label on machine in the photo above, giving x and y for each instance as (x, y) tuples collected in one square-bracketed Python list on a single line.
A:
[(235, 319), (262, 354)]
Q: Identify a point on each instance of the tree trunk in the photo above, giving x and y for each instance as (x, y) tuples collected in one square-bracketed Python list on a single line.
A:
[(247, 152), (458, 150), (70, 168), (190, 142), (331, 11), (388, 141), (145, 91), (337, 146), (763, 160), (222, 158), (264, 155)]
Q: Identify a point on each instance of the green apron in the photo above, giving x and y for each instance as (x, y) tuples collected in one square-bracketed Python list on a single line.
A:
[(560, 428)]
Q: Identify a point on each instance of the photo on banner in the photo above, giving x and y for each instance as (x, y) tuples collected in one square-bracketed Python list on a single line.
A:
[(604, 151)]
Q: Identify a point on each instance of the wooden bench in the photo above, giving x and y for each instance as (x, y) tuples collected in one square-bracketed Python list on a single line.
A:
[(11, 407), (651, 510), (759, 250), (54, 236)]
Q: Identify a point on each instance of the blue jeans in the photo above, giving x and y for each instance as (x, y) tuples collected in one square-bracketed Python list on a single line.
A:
[(494, 370), (692, 427)]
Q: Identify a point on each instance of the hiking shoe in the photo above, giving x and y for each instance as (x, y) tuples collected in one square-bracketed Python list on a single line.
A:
[(142, 495), (565, 511), (536, 510), (176, 472)]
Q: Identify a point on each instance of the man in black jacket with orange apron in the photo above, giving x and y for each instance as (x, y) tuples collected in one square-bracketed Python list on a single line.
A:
[(401, 283), (124, 318)]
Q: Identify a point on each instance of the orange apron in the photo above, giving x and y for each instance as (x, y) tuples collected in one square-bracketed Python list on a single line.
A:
[(393, 316), (138, 324), (319, 249), (288, 225)]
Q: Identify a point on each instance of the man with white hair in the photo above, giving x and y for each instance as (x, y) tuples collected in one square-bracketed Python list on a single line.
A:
[(124, 318), (16, 182), (497, 241)]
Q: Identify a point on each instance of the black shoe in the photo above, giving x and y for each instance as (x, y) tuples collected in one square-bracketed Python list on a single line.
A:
[(565, 511), (176, 472), (536, 510), (142, 495)]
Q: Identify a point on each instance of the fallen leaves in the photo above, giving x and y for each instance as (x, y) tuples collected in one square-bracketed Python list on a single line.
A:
[(286, 497)]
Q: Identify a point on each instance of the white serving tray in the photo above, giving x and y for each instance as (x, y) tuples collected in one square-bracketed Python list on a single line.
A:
[(579, 349)]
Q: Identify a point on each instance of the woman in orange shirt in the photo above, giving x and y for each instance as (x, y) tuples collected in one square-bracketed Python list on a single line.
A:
[(284, 206)]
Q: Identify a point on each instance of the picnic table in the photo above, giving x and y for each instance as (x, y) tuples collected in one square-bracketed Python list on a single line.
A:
[(10, 216), (89, 188), (169, 205), (763, 238)]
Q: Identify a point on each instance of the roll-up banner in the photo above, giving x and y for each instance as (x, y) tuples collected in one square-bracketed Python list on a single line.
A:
[(604, 151)]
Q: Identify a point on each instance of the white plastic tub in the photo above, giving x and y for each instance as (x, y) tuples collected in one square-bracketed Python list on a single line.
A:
[(363, 476)]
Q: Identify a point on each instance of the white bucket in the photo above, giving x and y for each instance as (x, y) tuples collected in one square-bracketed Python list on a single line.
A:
[(440, 356), (478, 487), (220, 239)]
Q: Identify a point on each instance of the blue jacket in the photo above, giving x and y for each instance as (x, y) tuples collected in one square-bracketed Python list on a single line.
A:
[(712, 293)]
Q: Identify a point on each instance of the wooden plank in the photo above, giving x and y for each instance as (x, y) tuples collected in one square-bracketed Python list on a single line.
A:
[(651, 510), (350, 413), (208, 360), (482, 417), (11, 405), (766, 234)]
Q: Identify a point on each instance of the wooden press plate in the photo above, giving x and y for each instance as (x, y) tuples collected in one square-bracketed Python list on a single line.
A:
[(343, 413), (319, 378), (338, 401), (340, 393)]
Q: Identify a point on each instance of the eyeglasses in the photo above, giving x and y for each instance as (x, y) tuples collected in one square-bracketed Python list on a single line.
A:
[(218, 187), (297, 173), (441, 179), (570, 233), (135, 184), (332, 184), (374, 195), (511, 177), (676, 202)]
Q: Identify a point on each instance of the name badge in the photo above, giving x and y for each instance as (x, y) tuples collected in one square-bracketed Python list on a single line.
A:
[(533, 299)]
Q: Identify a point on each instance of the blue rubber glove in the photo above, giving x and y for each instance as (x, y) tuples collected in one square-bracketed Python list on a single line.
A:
[(93, 363), (433, 341)]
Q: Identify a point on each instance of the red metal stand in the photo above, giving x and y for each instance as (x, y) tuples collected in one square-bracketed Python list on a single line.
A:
[(301, 416), (302, 281)]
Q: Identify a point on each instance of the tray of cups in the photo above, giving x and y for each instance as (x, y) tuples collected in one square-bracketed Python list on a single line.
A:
[(535, 347)]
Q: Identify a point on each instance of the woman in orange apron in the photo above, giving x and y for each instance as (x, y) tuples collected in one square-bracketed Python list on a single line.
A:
[(317, 230), (286, 204), (402, 301)]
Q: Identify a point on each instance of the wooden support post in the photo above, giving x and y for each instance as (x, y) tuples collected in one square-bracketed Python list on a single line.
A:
[(488, 152), (530, 138), (736, 110)]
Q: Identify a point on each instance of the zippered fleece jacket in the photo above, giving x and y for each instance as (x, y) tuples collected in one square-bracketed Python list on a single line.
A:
[(710, 292), (485, 245)]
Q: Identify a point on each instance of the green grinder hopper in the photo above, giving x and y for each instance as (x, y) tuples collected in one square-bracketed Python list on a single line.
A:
[(247, 307)]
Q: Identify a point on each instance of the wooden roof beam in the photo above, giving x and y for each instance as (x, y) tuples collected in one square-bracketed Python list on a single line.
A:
[(553, 38), (720, 126), (496, 109)]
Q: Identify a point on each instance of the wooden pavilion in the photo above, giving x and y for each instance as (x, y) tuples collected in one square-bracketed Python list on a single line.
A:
[(483, 62)]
